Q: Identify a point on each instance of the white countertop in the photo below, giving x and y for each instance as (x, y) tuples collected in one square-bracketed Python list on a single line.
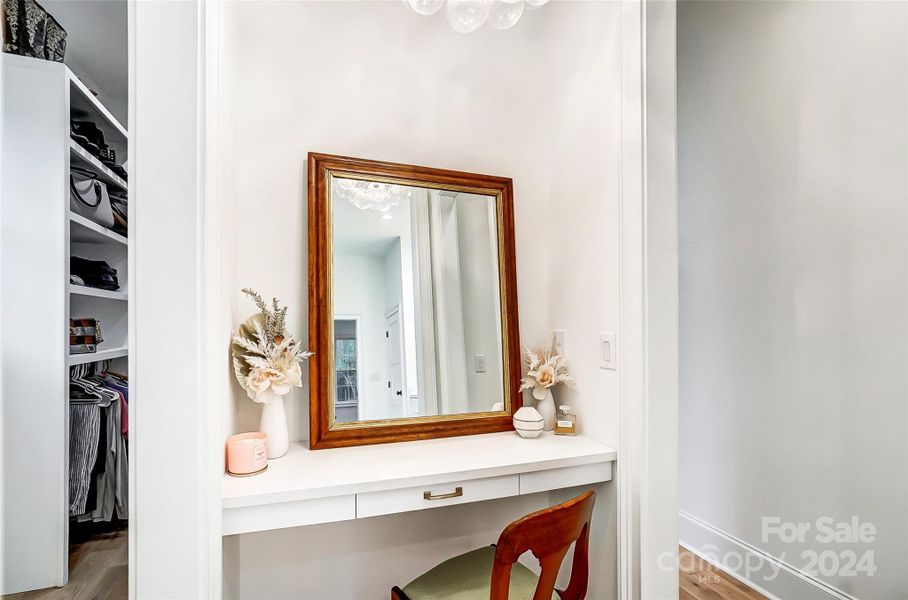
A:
[(306, 474)]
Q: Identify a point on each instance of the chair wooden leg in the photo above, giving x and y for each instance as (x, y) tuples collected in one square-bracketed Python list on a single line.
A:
[(398, 594)]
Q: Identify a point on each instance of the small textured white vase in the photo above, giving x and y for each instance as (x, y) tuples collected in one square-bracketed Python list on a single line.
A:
[(274, 424), (546, 408), (528, 422)]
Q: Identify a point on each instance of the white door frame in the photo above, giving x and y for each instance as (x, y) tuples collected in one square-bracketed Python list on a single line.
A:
[(648, 291), (358, 326), (179, 315), (647, 466)]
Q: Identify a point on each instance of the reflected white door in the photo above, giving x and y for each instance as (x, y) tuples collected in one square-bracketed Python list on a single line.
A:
[(395, 338)]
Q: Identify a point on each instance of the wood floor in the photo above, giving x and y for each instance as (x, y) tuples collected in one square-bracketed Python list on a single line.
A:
[(97, 569), (703, 581)]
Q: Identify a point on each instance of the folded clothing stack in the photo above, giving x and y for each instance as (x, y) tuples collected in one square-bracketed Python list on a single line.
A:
[(94, 273), (88, 135), (84, 336)]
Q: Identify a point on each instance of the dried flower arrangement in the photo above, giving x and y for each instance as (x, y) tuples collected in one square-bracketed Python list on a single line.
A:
[(265, 356), (545, 368)]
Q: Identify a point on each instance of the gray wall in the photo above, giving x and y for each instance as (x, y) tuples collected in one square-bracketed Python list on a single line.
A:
[(793, 183)]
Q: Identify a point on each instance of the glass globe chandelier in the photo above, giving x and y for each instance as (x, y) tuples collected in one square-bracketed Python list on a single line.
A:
[(371, 195), (465, 16)]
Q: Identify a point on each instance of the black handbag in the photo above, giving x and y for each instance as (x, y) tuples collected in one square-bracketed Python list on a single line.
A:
[(29, 30)]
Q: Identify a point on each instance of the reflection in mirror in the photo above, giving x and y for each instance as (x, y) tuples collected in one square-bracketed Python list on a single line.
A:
[(417, 302), (347, 370)]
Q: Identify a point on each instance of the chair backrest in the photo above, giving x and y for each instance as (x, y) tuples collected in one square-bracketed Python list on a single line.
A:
[(548, 534)]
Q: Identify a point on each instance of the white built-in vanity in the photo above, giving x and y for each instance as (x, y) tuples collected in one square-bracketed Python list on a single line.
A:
[(308, 487), (415, 382)]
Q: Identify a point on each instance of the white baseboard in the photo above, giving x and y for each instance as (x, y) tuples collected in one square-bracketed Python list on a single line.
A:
[(788, 582)]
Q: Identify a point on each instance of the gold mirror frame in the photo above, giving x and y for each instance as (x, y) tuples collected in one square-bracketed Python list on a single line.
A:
[(323, 431)]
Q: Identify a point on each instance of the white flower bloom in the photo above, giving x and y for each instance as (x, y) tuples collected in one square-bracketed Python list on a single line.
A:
[(265, 355), (294, 375), (260, 380), (545, 376), (544, 371)]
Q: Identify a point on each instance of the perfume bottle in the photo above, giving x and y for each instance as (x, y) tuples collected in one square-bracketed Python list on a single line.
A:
[(565, 422)]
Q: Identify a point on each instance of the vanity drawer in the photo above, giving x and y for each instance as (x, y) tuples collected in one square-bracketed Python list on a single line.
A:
[(371, 504), (565, 477), (263, 517)]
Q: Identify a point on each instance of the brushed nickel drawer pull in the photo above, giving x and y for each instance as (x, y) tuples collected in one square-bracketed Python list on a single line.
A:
[(458, 491)]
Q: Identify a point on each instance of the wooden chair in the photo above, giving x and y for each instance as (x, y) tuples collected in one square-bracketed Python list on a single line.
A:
[(493, 573)]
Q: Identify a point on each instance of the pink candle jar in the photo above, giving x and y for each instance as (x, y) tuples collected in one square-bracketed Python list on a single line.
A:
[(247, 454)]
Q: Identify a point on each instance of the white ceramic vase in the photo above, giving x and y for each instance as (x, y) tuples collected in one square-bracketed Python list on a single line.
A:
[(528, 422), (274, 424), (546, 408)]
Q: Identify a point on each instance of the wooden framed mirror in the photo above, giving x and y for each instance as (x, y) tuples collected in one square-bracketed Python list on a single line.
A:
[(412, 303)]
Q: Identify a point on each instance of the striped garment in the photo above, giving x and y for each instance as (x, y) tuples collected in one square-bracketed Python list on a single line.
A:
[(84, 428)]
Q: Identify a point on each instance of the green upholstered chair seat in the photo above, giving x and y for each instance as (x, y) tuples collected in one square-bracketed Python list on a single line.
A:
[(468, 576)]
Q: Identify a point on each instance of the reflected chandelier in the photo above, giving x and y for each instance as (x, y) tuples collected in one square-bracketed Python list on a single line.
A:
[(469, 15), (366, 195)]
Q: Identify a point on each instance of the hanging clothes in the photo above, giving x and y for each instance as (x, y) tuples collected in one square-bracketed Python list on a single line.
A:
[(84, 427), (121, 495), (99, 468), (120, 385)]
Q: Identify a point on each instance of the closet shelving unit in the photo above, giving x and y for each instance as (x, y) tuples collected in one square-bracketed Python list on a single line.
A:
[(90, 240), (39, 235), (81, 290)]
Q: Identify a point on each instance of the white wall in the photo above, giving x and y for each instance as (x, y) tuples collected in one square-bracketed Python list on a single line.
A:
[(96, 47), (538, 103), (393, 279), (793, 146)]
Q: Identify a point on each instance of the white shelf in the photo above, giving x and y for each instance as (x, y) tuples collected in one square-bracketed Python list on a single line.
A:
[(83, 104), (86, 160), (84, 231), (81, 359), (326, 486), (83, 290), (304, 473)]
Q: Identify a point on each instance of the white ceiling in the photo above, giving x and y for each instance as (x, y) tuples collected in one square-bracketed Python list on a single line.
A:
[(96, 48), (364, 232)]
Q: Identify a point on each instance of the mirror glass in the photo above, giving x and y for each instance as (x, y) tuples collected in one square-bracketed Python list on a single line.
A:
[(417, 321)]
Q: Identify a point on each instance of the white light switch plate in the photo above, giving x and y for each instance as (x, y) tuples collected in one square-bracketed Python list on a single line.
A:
[(479, 361), (559, 341), (607, 351)]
